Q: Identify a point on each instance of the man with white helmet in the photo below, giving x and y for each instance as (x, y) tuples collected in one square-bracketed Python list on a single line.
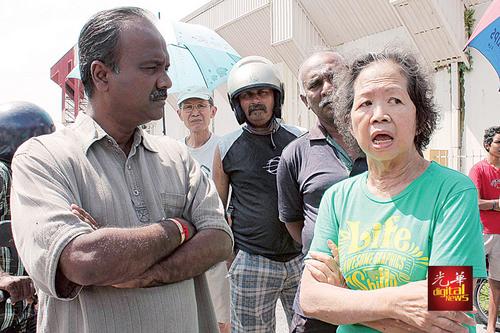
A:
[(267, 262)]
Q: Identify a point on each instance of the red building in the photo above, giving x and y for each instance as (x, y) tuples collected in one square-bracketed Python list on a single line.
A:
[(72, 99)]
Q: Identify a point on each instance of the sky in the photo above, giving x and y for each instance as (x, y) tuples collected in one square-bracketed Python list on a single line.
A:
[(35, 34)]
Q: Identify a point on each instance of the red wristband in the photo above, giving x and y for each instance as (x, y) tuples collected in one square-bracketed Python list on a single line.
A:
[(185, 229), (181, 228)]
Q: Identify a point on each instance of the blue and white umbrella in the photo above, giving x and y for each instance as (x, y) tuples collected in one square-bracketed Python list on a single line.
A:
[(199, 56)]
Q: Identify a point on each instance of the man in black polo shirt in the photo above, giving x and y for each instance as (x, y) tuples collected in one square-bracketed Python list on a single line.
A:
[(313, 163)]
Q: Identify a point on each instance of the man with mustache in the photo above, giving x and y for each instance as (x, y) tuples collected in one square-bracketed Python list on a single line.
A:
[(267, 262), (196, 110), (313, 163), (116, 226)]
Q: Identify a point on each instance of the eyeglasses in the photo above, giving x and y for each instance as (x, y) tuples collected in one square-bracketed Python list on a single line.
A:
[(190, 107)]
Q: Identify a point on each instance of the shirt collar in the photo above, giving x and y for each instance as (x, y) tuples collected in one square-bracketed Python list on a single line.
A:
[(317, 132), (90, 132)]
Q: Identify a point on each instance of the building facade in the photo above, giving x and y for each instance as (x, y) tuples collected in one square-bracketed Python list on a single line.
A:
[(288, 31)]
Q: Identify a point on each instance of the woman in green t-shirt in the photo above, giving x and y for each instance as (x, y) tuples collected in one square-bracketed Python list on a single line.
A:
[(392, 222)]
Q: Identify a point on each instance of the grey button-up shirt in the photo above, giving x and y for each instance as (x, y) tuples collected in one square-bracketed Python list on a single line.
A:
[(82, 164)]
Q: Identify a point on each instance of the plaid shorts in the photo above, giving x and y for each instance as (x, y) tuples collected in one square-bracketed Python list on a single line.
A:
[(256, 284)]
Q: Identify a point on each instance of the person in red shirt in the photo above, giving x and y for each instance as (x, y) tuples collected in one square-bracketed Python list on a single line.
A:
[(486, 175)]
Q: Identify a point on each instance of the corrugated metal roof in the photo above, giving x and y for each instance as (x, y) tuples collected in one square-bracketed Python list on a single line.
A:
[(251, 35), (293, 33), (282, 20), (340, 21), (430, 30), (291, 54), (306, 32), (221, 13), (453, 18), (287, 30)]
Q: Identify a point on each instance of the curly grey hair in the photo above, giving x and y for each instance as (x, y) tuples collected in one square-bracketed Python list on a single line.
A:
[(420, 90), (99, 37)]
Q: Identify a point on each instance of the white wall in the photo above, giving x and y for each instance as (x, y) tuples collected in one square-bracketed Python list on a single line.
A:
[(442, 138), (225, 121)]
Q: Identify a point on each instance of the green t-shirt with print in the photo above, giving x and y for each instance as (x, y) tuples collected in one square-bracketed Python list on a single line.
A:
[(386, 242)]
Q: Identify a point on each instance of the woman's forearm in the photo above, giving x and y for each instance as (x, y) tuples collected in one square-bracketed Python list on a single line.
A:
[(337, 305), (407, 304)]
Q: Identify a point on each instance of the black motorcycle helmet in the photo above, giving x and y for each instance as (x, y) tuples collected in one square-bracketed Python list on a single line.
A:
[(20, 121)]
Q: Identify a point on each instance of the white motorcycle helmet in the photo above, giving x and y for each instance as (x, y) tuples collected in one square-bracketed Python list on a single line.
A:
[(254, 72)]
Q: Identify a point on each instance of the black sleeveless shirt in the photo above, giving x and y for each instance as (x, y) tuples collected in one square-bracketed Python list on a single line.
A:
[(251, 162)]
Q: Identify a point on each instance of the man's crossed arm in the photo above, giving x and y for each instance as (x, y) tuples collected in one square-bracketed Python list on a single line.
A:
[(138, 257)]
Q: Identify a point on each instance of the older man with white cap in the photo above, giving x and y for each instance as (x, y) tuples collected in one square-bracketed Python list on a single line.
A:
[(196, 110)]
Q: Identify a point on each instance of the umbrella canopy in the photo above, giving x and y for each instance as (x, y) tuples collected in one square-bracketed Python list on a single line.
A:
[(486, 36), (198, 56)]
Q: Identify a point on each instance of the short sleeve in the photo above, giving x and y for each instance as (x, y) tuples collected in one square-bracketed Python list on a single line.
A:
[(42, 222), (457, 236), (327, 226), (290, 201)]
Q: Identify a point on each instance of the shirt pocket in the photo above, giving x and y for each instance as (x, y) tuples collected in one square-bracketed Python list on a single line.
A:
[(173, 204)]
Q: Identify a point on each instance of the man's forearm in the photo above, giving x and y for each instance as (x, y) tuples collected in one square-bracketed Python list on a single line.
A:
[(194, 257), (220, 178), (489, 204), (113, 255), (295, 230)]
